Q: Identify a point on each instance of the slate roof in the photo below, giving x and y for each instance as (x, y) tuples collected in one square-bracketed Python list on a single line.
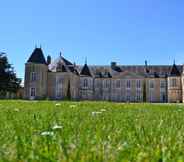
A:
[(37, 57), (85, 71), (117, 68), (154, 71), (104, 71), (60, 60), (66, 61)]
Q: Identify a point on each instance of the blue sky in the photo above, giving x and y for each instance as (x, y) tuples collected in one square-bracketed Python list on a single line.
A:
[(126, 31)]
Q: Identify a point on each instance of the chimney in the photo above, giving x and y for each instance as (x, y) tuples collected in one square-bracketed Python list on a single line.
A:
[(113, 64), (146, 66), (146, 63), (48, 60)]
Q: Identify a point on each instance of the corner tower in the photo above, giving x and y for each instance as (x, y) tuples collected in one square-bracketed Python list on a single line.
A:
[(36, 70), (174, 85)]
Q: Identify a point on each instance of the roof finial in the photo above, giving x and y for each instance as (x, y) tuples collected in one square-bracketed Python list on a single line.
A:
[(86, 61), (60, 54), (174, 62)]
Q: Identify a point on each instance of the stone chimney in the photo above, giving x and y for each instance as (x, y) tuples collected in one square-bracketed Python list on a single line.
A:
[(48, 60), (146, 67), (113, 64)]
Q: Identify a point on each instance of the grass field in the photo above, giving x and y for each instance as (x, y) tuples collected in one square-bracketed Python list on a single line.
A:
[(90, 132)]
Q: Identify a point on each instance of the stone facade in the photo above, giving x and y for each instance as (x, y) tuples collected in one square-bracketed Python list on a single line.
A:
[(60, 79)]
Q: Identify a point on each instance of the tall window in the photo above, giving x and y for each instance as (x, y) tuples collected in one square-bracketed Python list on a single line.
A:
[(138, 95), (97, 83), (162, 96), (162, 84), (138, 84), (128, 84), (33, 92), (59, 82), (33, 76), (106, 83), (151, 96), (128, 95), (151, 84), (118, 84), (85, 83), (173, 82)]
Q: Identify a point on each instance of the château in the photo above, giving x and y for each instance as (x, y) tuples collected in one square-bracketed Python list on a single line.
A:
[(60, 79)]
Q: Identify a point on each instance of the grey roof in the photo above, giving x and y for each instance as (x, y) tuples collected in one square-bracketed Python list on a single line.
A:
[(60, 60), (104, 71), (37, 57), (154, 70)]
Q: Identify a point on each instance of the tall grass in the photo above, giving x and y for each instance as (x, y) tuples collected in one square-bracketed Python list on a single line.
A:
[(90, 132)]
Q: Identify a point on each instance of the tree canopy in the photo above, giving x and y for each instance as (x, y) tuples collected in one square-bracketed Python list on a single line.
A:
[(8, 79)]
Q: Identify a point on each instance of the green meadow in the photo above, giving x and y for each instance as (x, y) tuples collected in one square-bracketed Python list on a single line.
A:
[(50, 131)]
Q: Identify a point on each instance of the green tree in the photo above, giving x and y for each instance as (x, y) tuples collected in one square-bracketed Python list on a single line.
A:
[(8, 79)]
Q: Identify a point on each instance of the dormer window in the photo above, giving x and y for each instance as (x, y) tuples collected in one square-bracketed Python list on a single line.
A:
[(33, 76)]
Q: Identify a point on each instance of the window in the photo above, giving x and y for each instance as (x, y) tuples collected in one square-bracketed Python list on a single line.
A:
[(128, 95), (162, 84), (151, 96), (59, 82), (33, 76), (173, 82), (128, 84), (106, 84), (138, 95), (151, 84), (138, 84), (33, 92), (97, 83), (85, 83), (162, 96), (118, 84)]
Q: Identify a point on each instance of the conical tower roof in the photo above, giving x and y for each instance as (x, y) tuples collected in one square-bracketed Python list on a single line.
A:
[(37, 57)]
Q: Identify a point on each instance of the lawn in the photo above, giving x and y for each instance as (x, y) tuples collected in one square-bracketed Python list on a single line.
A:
[(47, 131)]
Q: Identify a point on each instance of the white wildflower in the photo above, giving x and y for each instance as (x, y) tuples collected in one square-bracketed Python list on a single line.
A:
[(103, 110), (47, 133), (57, 127), (119, 148), (72, 146), (96, 113), (125, 144), (17, 110), (58, 104), (160, 124), (73, 106)]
